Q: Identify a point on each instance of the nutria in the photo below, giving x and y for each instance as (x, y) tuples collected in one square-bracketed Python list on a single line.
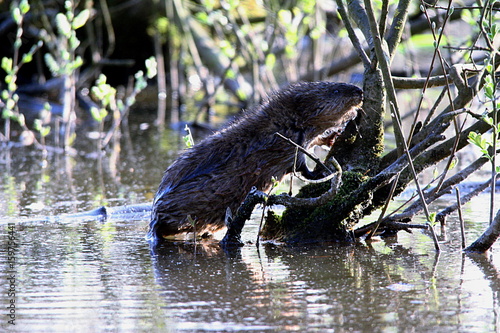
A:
[(218, 172)]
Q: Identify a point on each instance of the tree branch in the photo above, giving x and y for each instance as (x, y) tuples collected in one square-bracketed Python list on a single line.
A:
[(397, 27)]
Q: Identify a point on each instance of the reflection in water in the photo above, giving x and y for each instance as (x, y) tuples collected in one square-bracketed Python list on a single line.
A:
[(355, 288), (93, 276)]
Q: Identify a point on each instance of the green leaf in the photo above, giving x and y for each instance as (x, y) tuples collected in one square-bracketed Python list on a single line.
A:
[(191, 221), (233, 3), (10, 104), (241, 94), (120, 105), (188, 138), (24, 6), (308, 6), (98, 114), (275, 181), (44, 131), (453, 163), (21, 120), (63, 25), (101, 79), (139, 75), (316, 33), (209, 4), (52, 64), (7, 113), (140, 82), (489, 92), (270, 60), (80, 20), (162, 25), (78, 62), (489, 68), (202, 17), (28, 57), (230, 74), (227, 48), (130, 100), (432, 218), (486, 153), (12, 86), (16, 15), (478, 140), (488, 120), (47, 106), (37, 125), (73, 41), (7, 65), (285, 17), (151, 67)]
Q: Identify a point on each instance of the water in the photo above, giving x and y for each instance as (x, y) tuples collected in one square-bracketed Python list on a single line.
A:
[(102, 277)]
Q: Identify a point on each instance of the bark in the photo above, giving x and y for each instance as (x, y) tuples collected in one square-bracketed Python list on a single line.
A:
[(485, 242)]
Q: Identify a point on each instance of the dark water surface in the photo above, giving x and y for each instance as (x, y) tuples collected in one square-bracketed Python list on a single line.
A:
[(70, 276)]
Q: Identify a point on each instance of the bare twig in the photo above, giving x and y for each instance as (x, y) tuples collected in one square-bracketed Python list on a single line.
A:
[(397, 27), (303, 150), (287, 200), (420, 192), (460, 217), (464, 199), (428, 82), (360, 232), (382, 213), (417, 206), (352, 35)]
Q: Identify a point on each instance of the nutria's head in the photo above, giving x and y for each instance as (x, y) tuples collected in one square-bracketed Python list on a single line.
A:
[(320, 109)]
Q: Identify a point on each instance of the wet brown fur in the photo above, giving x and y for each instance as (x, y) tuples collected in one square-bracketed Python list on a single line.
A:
[(218, 172)]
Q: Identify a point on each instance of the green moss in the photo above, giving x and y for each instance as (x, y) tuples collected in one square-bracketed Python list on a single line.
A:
[(327, 222), (273, 228)]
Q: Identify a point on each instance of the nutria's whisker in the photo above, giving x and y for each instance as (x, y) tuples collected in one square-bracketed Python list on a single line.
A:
[(358, 131)]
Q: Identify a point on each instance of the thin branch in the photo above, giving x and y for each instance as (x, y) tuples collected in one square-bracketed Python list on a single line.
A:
[(309, 154), (464, 199), (486, 240), (382, 213), (361, 231), (420, 83), (459, 177), (397, 27), (460, 217), (383, 16), (352, 35), (415, 179), (287, 200)]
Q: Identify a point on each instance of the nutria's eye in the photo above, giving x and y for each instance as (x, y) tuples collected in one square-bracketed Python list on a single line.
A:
[(328, 132)]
